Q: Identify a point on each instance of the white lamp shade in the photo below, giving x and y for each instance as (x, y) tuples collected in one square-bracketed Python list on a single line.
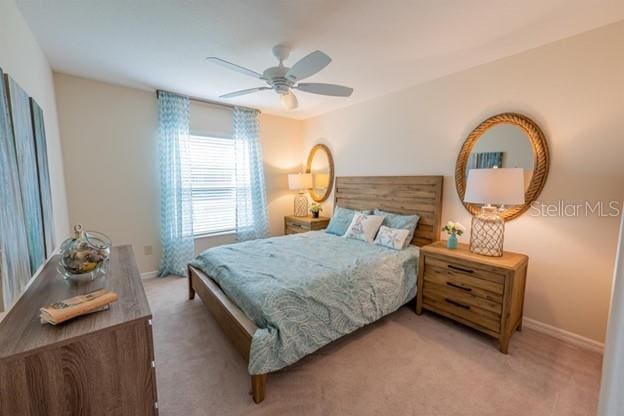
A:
[(299, 181), (495, 186), (528, 175), (321, 180)]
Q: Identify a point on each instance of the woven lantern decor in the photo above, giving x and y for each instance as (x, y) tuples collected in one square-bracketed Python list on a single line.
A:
[(301, 205), (488, 233), (492, 186), (300, 182)]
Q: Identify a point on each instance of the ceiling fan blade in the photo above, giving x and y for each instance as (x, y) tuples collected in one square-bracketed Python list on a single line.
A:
[(234, 67), (243, 92), (289, 101), (325, 89), (308, 66)]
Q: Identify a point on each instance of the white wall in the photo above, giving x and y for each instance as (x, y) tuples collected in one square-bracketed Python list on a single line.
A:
[(22, 58), (573, 89), (111, 162), (111, 153), (282, 146)]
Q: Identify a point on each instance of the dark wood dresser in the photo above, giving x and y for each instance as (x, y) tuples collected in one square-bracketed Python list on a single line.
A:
[(98, 364)]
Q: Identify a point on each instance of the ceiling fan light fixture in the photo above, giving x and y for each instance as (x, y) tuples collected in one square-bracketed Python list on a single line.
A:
[(281, 78), (289, 101)]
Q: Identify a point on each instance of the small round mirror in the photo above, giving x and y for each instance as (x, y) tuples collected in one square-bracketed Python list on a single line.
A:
[(321, 166)]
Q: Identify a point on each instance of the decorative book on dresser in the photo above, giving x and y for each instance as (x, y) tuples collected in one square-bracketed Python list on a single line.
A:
[(97, 364), (294, 225), (485, 293)]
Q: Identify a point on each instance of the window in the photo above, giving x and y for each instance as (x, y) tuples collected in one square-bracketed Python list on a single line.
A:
[(213, 181)]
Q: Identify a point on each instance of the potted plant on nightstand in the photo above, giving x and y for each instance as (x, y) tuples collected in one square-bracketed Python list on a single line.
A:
[(316, 210), (453, 229)]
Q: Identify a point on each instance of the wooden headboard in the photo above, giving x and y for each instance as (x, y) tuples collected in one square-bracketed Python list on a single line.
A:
[(420, 195)]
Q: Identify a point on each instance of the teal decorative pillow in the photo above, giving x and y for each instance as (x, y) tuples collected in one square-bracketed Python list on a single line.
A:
[(341, 220), (392, 237), (404, 222)]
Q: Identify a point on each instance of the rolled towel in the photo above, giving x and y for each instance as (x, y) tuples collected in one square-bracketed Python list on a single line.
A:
[(79, 305)]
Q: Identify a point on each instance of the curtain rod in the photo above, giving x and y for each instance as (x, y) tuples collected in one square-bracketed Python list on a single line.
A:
[(205, 101)]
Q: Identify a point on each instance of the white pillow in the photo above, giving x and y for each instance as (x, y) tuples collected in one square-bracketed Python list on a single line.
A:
[(364, 227), (391, 237)]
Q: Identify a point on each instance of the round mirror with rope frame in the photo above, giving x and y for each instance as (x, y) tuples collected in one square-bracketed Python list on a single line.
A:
[(541, 161), (322, 172)]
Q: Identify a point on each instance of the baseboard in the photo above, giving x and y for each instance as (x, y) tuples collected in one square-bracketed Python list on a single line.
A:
[(149, 275), (563, 335)]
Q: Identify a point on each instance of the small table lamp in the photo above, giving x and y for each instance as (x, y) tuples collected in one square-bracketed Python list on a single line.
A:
[(492, 186), (300, 182)]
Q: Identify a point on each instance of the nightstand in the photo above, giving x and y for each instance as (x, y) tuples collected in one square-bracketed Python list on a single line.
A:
[(485, 293), (294, 225)]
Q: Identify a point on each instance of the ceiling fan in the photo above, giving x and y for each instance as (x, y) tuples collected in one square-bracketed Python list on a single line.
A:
[(283, 79)]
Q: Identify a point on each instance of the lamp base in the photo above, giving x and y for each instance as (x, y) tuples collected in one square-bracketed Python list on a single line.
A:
[(487, 233), (301, 205)]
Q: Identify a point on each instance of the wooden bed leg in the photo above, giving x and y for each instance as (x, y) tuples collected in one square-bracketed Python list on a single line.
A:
[(191, 291), (258, 387)]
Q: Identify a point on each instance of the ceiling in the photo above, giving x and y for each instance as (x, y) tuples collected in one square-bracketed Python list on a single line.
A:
[(377, 46)]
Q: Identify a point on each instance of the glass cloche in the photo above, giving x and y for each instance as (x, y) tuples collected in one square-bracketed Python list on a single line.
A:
[(88, 252)]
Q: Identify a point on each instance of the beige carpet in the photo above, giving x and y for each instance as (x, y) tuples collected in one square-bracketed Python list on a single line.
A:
[(402, 365)]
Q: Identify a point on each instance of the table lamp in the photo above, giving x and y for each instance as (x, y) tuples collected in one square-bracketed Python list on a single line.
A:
[(492, 187), (300, 182)]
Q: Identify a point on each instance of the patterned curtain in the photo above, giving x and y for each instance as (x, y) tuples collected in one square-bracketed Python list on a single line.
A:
[(485, 160), (176, 208), (14, 255), (251, 202)]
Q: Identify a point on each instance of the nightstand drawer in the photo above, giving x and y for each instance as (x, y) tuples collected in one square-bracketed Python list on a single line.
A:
[(315, 226), (479, 287), (487, 279), (439, 302), (463, 295), (295, 227)]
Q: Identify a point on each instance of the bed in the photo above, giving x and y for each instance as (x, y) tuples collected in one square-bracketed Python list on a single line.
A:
[(282, 298)]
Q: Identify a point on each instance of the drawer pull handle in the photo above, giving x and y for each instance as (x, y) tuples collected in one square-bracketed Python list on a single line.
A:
[(461, 305), (461, 269), (467, 289)]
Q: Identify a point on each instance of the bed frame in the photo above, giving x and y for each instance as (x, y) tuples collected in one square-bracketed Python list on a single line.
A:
[(420, 195)]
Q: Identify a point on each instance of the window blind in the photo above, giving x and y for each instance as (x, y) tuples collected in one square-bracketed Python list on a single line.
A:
[(213, 171)]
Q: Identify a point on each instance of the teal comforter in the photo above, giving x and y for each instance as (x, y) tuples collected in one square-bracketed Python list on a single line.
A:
[(305, 290)]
